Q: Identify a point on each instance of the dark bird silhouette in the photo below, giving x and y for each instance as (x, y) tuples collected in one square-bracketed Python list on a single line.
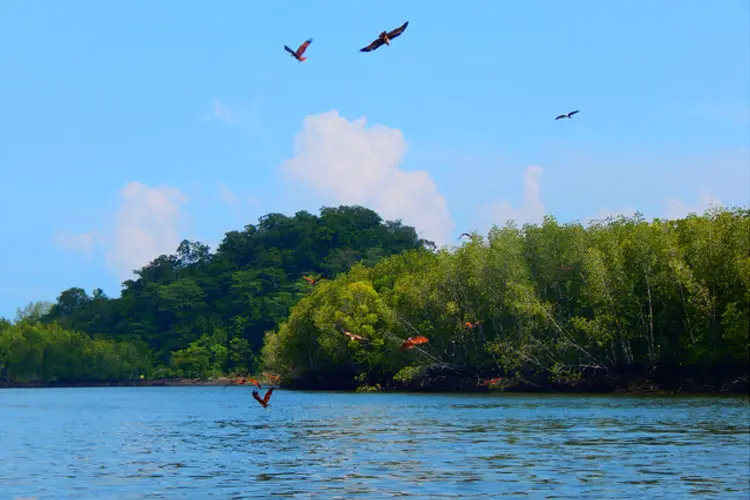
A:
[(567, 115), (385, 38), (464, 234), (413, 341), (263, 402), (297, 54)]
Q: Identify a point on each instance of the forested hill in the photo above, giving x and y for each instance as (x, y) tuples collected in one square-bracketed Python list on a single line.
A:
[(201, 313), (619, 303)]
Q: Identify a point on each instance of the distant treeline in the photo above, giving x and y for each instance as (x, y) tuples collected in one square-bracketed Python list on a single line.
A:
[(196, 313), (621, 303)]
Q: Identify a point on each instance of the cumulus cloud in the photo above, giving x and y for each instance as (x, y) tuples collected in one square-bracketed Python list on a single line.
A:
[(677, 209), (77, 242), (531, 209), (147, 225), (222, 113), (355, 164)]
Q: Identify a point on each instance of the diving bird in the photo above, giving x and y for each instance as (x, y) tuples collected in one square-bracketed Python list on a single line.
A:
[(385, 38), (567, 115), (301, 50), (263, 402)]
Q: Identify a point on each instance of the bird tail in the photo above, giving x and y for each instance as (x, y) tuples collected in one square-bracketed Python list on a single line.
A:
[(302, 58)]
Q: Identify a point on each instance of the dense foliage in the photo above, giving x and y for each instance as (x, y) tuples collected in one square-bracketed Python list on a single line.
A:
[(620, 301), (34, 351), (200, 313), (557, 305)]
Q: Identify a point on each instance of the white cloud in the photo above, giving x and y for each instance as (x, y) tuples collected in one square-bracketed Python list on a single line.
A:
[(77, 242), (222, 113), (355, 164), (146, 225), (531, 210), (227, 196), (677, 209)]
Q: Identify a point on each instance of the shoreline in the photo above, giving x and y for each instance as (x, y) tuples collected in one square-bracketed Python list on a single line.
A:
[(165, 382), (633, 389)]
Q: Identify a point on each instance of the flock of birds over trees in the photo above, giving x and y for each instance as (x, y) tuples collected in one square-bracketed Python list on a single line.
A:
[(407, 344), (384, 38)]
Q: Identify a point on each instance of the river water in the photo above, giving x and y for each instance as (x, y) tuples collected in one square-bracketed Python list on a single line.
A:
[(214, 442)]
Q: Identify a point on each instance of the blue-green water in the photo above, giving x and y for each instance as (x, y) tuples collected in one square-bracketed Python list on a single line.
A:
[(210, 442)]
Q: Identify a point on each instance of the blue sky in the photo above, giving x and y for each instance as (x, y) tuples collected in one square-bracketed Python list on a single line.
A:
[(128, 126)]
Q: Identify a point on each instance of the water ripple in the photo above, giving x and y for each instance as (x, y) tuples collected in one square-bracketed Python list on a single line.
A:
[(203, 442)]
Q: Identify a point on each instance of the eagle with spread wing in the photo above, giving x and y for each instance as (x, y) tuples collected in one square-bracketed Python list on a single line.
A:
[(567, 115), (414, 341), (385, 38), (297, 54), (266, 397)]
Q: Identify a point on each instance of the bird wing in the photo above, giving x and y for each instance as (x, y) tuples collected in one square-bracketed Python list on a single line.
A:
[(256, 396), (290, 51), (573, 112), (419, 339), (393, 34), (464, 234), (268, 395), (560, 116), (308, 279), (374, 45), (302, 48)]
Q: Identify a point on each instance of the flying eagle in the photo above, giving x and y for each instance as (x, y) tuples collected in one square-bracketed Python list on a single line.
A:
[(263, 402), (491, 381), (385, 38), (301, 50), (412, 341), (354, 336), (252, 380), (567, 115), (311, 280)]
